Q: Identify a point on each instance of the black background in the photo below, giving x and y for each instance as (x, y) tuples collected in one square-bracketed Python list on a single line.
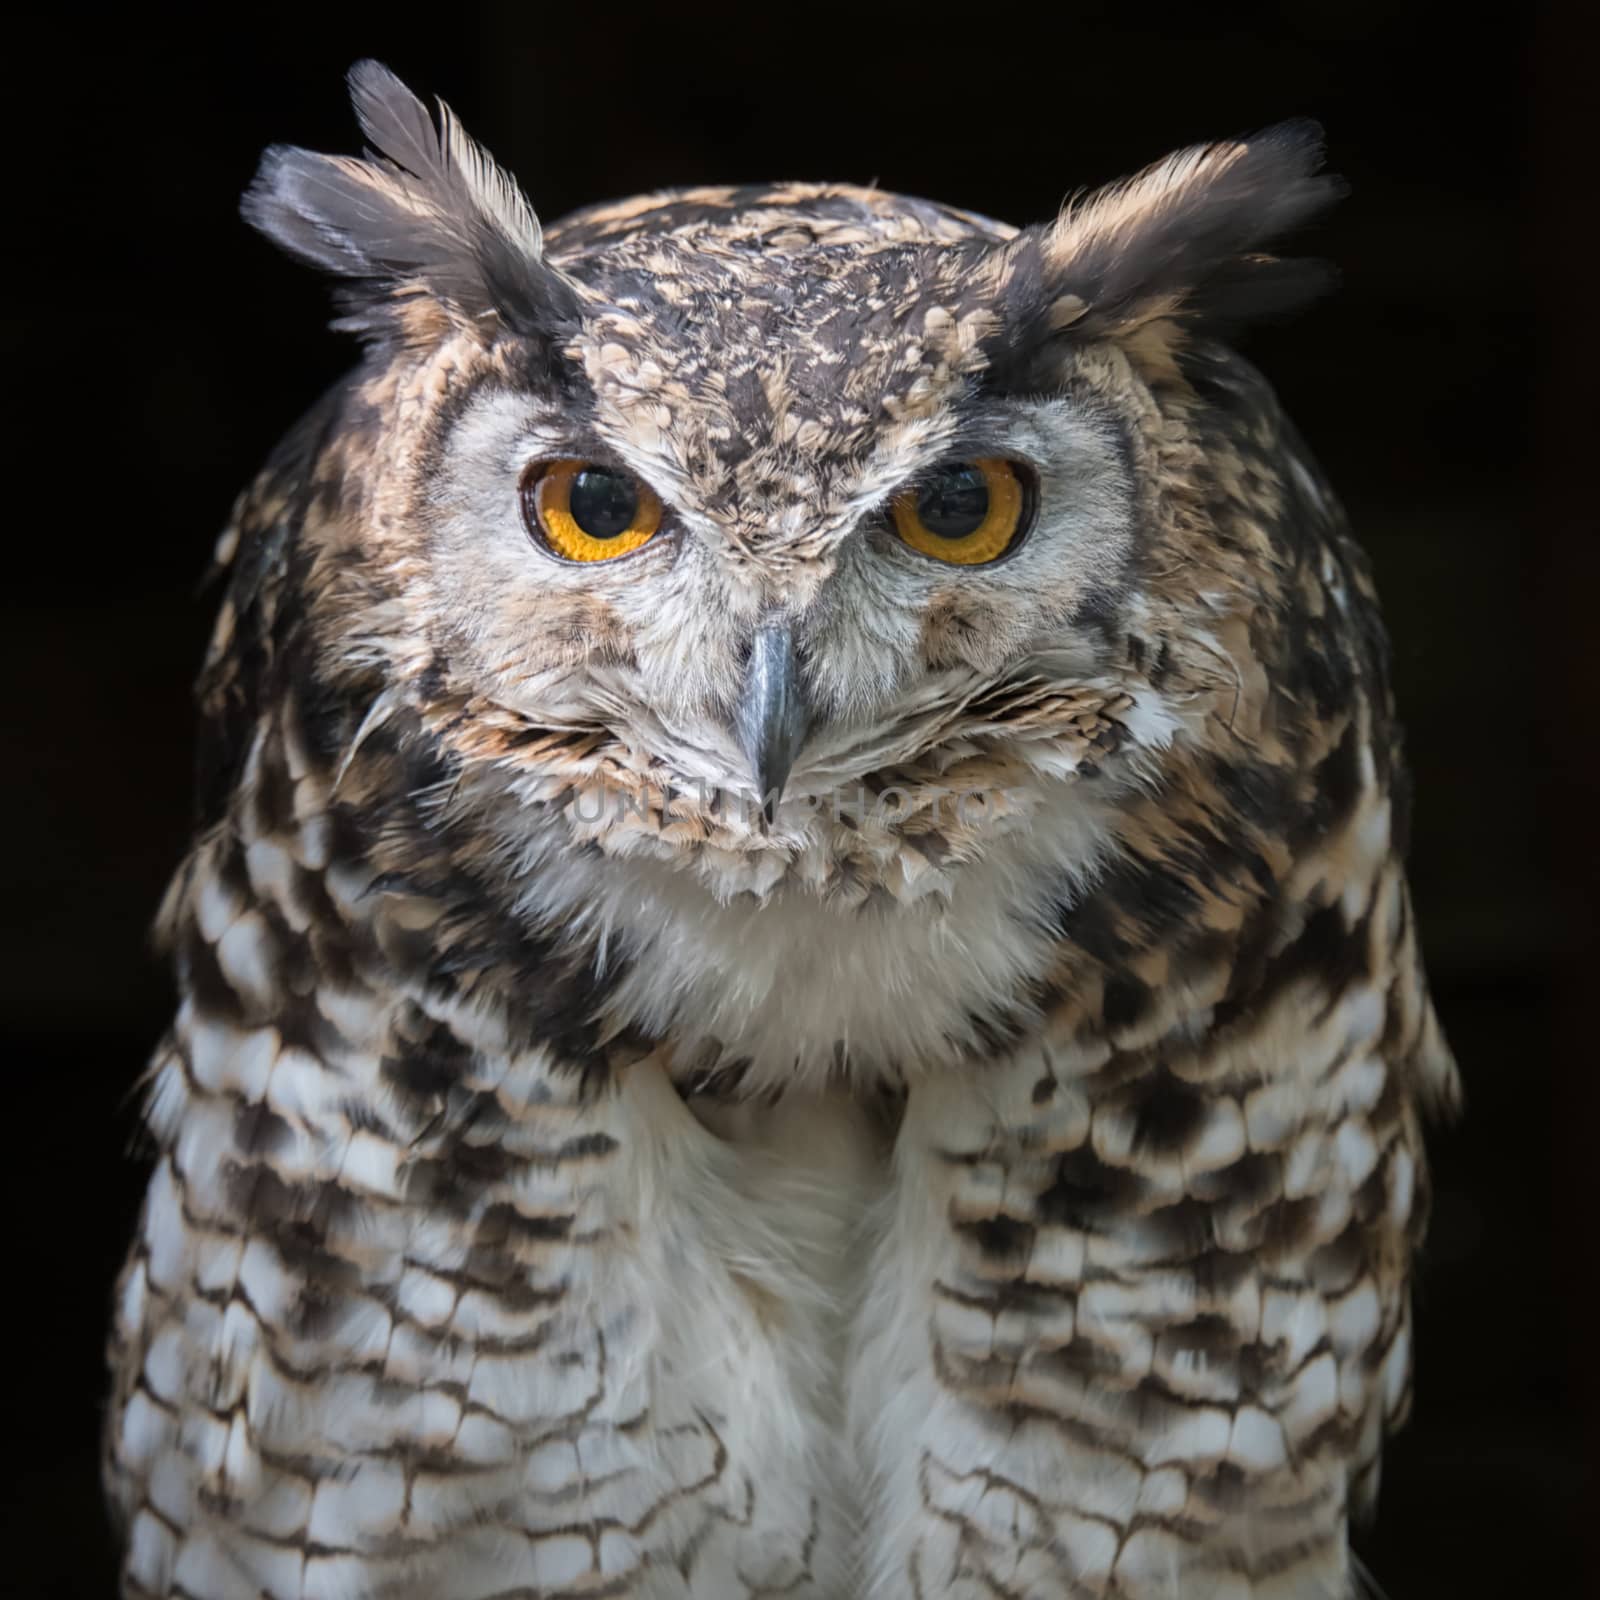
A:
[(156, 348)]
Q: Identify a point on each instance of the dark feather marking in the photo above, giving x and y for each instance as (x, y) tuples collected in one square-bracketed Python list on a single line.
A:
[(1167, 1113), (1000, 1238), (259, 1130), (1086, 1190)]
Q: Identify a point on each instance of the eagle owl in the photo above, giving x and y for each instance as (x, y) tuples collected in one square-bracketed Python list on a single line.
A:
[(796, 977)]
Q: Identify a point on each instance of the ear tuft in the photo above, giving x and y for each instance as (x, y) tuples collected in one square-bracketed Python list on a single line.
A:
[(429, 229), (1182, 239)]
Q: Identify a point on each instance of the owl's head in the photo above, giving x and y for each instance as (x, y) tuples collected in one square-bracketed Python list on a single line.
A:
[(801, 534)]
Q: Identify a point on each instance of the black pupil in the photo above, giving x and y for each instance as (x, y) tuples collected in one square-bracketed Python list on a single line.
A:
[(603, 503), (955, 503)]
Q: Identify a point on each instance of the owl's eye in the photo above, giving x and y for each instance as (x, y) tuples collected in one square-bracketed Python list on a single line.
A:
[(585, 512), (968, 512)]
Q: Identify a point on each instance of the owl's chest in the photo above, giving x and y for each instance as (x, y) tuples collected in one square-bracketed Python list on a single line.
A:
[(792, 989)]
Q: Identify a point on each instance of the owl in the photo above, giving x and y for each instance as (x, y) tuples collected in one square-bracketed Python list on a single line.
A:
[(796, 977)]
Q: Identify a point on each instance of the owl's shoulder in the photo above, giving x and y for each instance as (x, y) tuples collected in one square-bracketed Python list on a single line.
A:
[(253, 567), (775, 217)]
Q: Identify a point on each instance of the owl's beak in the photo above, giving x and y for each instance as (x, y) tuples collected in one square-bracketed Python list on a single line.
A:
[(772, 718)]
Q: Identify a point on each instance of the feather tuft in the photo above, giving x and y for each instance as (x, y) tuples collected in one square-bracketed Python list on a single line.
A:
[(1182, 240), (432, 232)]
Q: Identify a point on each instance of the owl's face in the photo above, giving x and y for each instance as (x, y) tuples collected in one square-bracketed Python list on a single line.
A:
[(804, 536), (760, 568)]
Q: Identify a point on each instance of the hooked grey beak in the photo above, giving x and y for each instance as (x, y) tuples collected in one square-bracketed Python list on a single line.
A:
[(772, 718)]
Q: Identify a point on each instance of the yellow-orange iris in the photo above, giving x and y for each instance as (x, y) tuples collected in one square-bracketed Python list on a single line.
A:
[(588, 512), (1001, 516)]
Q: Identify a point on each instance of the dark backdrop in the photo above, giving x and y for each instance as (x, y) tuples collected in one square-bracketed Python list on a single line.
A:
[(157, 348)]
